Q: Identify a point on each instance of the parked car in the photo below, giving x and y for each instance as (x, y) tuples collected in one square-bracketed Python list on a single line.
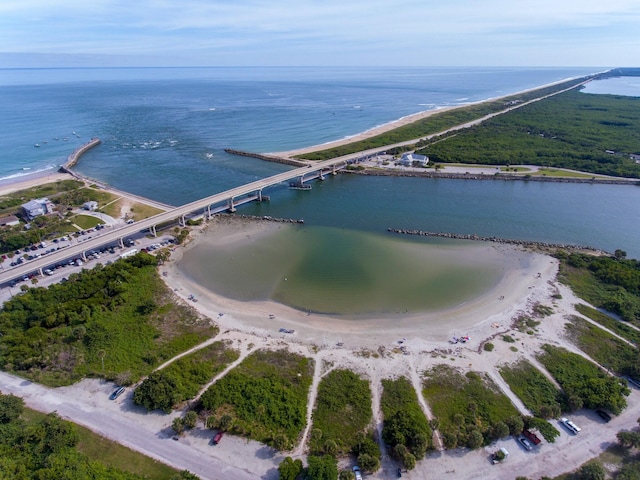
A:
[(603, 415), (525, 443), (356, 472), (116, 393), (572, 427), (217, 438)]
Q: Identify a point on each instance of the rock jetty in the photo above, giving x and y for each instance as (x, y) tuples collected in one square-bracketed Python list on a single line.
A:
[(268, 158), (523, 243), (264, 218)]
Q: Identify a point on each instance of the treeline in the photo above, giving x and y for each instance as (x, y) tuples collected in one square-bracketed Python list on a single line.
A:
[(406, 429), (437, 122), (115, 321), (611, 283), (583, 382), (591, 133), (46, 449)]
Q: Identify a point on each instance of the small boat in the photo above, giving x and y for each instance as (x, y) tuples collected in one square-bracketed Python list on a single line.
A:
[(37, 145)]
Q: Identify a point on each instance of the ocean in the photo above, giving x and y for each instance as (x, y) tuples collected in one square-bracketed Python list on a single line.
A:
[(164, 132)]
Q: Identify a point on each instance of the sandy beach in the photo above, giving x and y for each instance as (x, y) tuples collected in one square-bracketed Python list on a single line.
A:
[(32, 180)]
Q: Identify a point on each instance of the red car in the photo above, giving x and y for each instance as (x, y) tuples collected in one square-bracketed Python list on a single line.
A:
[(217, 438)]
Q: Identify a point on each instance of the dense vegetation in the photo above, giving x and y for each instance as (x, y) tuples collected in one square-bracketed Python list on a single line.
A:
[(116, 321), (343, 410), (406, 429), (45, 447), (535, 390), (583, 382), (183, 379), (264, 398), (611, 283), (470, 408), (570, 130), (604, 348), (436, 123), (621, 328)]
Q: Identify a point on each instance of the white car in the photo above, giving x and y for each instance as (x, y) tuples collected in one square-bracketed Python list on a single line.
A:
[(572, 427), (356, 472)]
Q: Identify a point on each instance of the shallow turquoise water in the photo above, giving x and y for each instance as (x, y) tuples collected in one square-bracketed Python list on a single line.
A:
[(344, 272)]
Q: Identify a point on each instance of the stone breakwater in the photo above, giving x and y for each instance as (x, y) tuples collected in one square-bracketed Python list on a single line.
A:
[(268, 158), (265, 218), (500, 176), (73, 158), (478, 238)]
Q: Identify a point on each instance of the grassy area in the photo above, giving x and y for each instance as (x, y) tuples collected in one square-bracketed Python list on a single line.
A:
[(465, 404), (554, 172), (10, 202), (183, 379), (118, 321), (342, 411), (85, 221), (134, 210), (617, 326), (604, 348), (534, 389), (263, 398), (435, 123), (571, 130), (610, 283), (404, 421), (584, 383)]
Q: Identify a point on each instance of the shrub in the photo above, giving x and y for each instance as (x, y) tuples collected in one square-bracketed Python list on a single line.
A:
[(488, 347)]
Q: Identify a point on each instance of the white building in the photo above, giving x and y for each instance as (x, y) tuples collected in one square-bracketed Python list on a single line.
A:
[(408, 159), (90, 205)]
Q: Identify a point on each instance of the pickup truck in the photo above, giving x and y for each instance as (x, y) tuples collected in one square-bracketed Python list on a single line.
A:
[(532, 437)]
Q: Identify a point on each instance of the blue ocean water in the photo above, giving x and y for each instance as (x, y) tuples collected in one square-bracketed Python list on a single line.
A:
[(164, 131)]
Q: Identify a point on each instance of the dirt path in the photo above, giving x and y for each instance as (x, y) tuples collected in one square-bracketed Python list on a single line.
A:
[(187, 352), (416, 381), (502, 385), (311, 401)]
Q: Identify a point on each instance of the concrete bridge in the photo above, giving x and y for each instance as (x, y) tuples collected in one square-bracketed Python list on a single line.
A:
[(203, 208)]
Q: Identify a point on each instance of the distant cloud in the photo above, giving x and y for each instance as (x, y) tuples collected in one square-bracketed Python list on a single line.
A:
[(329, 32)]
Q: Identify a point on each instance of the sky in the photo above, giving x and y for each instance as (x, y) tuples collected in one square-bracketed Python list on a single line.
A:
[(41, 33)]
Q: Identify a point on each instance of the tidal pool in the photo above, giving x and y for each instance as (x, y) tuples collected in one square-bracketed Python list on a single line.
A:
[(341, 272)]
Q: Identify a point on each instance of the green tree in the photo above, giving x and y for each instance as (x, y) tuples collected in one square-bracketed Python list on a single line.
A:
[(11, 407), (592, 471), (515, 424), (289, 469), (190, 419), (368, 463), (475, 439), (322, 468), (178, 425)]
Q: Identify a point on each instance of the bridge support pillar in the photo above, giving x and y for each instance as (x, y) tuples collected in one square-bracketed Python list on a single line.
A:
[(260, 195), (121, 241), (40, 272), (181, 221), (301, 181), (321, 175), (333, 169), (232, 208), (153, 230), (84, 256), (209, 212)]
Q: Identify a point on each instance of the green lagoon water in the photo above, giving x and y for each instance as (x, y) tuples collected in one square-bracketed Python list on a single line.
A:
[(344, 272)]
